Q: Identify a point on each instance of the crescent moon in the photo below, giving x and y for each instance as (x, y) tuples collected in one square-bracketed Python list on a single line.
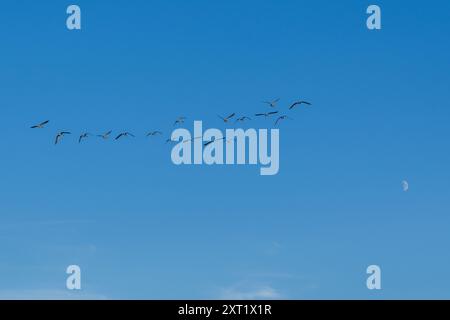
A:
[(405, 185)]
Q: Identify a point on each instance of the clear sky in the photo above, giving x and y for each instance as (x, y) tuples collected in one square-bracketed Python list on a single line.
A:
[(142, 228)]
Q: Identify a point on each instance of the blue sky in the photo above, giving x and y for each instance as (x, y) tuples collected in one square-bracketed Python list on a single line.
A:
[(142, 228)]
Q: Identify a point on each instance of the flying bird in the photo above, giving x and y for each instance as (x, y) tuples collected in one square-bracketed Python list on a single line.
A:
[(124, 134), (179, 120), (105, 135), (297, 103), (281, 118), (242, 119), (195, 138), (227, 118), (266, 114), (209, 142), (40, 125), (272, 103), (153, 133), (83, 136), (60, 135)]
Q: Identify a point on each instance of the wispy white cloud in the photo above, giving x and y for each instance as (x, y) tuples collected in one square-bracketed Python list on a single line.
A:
[(239, 292)]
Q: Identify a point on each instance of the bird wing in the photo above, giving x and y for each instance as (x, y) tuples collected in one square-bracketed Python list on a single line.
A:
[(119, 136), (278, 120), (260, 114), (273, 112), (44, 123), (293, 105), (231, 115)]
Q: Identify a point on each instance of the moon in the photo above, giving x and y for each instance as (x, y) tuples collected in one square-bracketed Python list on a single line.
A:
[(405, 185)]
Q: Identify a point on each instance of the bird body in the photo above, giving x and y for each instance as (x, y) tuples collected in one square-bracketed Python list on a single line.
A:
[(266, 114), (281, 118), (105, 135), (297, 103), (124, 134), (242, 119), (40, 125), (83, 136), (212, 141), (179, 120), (227, 118), (60, 135), (153, 133), (272, 103), (193, 139)]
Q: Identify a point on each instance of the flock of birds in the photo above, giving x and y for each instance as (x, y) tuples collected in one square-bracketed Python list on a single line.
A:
[(180, 120)]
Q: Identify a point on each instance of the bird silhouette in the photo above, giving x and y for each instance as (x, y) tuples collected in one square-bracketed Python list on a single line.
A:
[(266, 114), (124, 134), (105, 135), (284, 117), (227, 118), (195, 138), (83, 136), (272, 103), (40, 125), (297, 103), (179, 120), (60, 135), (242, 119), (212, 141), (153, 133)]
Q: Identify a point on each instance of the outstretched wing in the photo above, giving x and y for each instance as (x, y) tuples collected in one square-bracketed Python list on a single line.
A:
[(293, 105), (278, 120)]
